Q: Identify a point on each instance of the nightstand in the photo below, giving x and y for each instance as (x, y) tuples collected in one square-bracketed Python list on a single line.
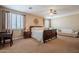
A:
[(27, 34)]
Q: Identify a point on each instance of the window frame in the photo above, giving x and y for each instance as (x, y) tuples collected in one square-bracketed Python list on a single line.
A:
[(9, 19)]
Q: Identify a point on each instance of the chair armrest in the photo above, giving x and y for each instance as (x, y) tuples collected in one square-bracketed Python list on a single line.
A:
[(76, 32)]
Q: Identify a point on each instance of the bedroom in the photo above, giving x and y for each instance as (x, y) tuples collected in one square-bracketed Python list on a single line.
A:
[(35, 18)]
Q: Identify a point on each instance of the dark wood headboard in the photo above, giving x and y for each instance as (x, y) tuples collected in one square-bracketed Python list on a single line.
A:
[(34, 26)]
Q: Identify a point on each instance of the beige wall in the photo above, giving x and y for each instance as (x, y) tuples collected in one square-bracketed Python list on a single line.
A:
[(68, 22), (29, 21)]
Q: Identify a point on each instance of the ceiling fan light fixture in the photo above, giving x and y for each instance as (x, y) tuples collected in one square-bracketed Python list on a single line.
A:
[(52, 11), (51, 14)]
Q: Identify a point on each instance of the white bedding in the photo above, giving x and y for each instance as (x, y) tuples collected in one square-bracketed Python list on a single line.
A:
[(37, 33)]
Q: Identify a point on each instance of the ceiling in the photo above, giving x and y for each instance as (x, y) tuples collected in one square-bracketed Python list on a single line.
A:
[(43, 10)]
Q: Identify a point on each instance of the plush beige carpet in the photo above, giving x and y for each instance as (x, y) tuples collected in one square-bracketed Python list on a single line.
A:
[(61, 44)]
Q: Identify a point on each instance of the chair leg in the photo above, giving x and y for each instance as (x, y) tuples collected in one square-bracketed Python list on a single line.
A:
[(11, 42), (3, 42)]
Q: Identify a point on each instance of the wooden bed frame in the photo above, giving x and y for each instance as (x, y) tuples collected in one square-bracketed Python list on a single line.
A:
[(47, 34)]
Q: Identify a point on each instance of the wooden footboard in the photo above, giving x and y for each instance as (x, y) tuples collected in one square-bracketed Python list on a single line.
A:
[(49, 34)]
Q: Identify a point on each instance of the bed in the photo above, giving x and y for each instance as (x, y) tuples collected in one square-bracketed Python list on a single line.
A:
[(42, 35)]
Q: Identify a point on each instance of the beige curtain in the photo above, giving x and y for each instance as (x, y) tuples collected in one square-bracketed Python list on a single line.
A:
[(4, 14)]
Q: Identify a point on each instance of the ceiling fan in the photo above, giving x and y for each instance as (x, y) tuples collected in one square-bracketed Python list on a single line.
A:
[(52, 11)]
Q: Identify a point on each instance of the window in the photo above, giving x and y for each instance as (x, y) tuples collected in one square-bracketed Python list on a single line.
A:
[(18, 21), (46, 23), (7, 20), (13, 21), (22, 18)]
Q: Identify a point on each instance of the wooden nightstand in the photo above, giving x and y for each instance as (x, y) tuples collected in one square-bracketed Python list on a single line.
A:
[(27, 34)]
